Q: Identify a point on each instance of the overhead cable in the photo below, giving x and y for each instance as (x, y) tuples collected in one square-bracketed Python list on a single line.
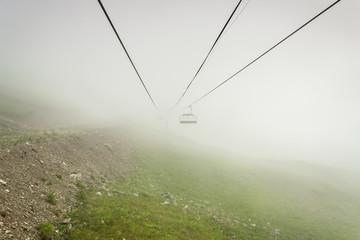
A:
[(123, 46), (240, 13), (253, 61), (207, 56)]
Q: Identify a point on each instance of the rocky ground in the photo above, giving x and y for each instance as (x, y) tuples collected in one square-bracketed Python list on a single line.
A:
[(40, 173)]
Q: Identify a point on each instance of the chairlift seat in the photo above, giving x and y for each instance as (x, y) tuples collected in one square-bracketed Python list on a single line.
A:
[(188, 118)]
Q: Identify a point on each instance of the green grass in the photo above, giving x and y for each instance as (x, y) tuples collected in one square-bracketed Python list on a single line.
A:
[(57, 212), (46, 231), (109, 148), (80, 184), (3, 213), (50, 198), (226, 200), (92, 176)]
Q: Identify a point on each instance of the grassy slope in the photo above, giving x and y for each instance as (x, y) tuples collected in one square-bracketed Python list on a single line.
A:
[(12, 105), (227, 200)]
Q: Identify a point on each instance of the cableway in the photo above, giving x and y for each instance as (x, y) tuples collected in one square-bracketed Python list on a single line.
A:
[(208, 54), (127, 54), (240, 13), (266, 52), (223, 31)]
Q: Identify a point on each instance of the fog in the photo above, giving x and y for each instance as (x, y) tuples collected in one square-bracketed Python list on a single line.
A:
[(300, 102)]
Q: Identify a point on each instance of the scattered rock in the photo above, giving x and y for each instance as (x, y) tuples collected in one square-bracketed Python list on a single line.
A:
[(75, 176), (277, 231), (253, 225), (166, 203), (136, 195), (66, 221), (99, 194), (166, 195), (187, 208), (22, 194), (2, 182)]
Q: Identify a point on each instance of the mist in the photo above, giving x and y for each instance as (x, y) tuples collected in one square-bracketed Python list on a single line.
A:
[(299, 103)]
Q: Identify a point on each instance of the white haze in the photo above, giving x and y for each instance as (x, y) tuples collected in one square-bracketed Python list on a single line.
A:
[(300, 102)]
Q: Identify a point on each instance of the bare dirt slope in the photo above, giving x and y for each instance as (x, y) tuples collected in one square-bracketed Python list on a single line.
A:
[(35, 165)]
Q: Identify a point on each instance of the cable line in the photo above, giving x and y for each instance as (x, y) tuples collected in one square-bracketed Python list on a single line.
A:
[(266, 52), (202, 64), (123, 46), (228, 28), (237, 17)]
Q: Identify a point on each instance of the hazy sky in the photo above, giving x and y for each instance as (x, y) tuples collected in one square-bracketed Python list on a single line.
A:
[(299, 102)]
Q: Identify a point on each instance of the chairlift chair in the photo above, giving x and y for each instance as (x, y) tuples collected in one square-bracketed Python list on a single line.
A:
[(188, 117)]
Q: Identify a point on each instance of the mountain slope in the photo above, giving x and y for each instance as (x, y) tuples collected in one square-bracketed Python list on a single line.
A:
[(180, 193)]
